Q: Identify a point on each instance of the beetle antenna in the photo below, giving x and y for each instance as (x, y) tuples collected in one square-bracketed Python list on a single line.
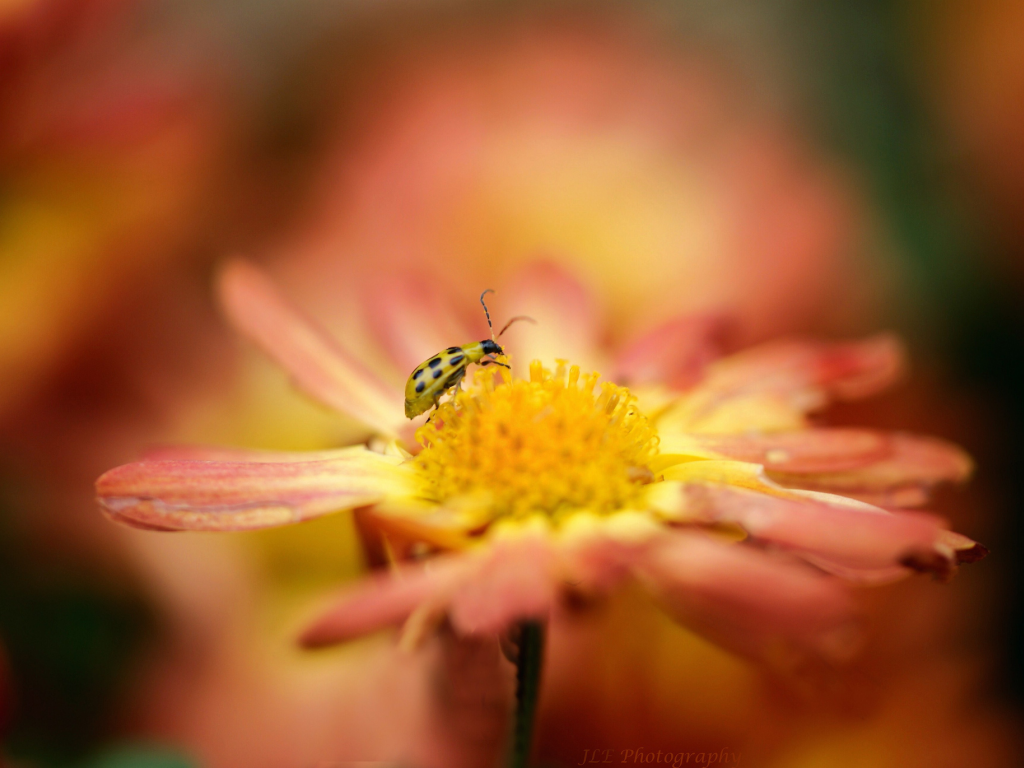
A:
[(515, 319), (488, 314)]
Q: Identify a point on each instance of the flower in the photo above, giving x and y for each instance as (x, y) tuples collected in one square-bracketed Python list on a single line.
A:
[(599, 139), (529, 493)]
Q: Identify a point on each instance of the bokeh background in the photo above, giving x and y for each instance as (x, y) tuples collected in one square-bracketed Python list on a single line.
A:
[(828, 168)]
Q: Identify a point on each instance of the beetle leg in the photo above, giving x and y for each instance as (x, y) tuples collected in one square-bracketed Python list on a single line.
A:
[(489, 361), (437, 402), (458, 382)]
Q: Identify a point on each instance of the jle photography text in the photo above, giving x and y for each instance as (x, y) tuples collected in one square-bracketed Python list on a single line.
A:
[(723, 757)]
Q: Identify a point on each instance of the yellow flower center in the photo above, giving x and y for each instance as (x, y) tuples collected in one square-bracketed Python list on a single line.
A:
[(555, 444)]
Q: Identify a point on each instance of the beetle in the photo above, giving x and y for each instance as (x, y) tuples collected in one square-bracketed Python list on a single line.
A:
[(447, 368)]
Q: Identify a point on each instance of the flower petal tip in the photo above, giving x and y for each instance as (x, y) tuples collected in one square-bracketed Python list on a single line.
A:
[(941, 561), (972, 554)]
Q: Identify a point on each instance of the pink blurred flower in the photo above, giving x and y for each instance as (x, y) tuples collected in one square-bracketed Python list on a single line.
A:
[(644, 165), (109, 141), (533, 492)]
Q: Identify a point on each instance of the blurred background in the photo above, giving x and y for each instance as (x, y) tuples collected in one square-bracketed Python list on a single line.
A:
[(828, 168)]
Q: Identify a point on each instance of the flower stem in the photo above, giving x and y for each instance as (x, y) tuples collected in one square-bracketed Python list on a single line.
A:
[(528, 666)]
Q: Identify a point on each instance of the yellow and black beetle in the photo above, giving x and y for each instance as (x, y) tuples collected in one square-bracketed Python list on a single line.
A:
[(446, 369)]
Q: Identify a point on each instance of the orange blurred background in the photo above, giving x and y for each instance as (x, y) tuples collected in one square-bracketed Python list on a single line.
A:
[(828, 168)]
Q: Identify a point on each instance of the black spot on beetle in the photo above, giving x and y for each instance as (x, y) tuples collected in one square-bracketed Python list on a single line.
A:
[(456, 360), (418, 373), (453, 350), (437, 374), (434, 363), (421, 385)]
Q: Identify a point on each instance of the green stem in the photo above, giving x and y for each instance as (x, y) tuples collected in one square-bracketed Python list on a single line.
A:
[(528, 666)]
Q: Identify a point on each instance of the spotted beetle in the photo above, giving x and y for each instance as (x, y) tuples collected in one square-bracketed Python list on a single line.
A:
[(446, 369)]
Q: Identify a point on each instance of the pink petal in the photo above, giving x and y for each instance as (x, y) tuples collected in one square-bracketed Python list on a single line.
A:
[(318, 364), (567, 318), (802, 375), (904, 478), (381, 601), (847, 371), (483, 592), (413, 321), (675, 353), (601, 563), (749, 601), (802, 451), (861, 576), (231, 495), (513, 581), (854, 536), (219, 453)]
